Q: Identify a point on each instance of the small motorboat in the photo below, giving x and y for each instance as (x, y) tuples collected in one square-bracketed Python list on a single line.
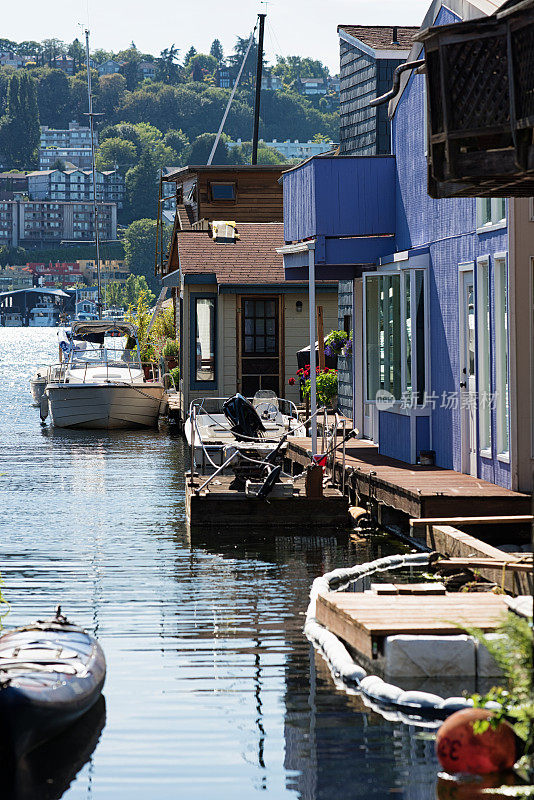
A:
[(102, 382), (216, 426), (43, 315), (51, 673)]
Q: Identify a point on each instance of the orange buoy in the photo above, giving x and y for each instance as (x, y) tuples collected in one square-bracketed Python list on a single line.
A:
[(460, 749)]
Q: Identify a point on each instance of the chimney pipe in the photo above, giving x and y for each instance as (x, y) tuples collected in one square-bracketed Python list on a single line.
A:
[(395, 37)]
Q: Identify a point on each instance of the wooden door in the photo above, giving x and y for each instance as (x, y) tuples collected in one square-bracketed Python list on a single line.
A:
[(259, 346)]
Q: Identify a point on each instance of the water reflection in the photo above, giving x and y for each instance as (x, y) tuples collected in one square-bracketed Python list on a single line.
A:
[(47, 772), (212, 689)]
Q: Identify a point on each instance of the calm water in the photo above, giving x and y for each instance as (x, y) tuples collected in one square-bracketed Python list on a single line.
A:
[(212, 690)]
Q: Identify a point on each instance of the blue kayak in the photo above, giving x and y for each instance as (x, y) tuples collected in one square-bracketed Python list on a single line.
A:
[(51, 673)]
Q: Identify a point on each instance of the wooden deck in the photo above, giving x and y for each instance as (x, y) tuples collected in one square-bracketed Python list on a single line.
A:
[(364, 619), (418, 491), (220, 508)]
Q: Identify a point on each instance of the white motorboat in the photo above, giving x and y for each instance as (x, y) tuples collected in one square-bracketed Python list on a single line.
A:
[(43, 315), (213, 435), (113, 313), (101, 383)]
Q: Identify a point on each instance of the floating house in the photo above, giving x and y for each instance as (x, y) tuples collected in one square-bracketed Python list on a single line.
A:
[(437, 293), (241, 320)]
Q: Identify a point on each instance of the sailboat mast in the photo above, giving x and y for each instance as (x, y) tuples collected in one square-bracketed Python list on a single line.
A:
[(95, 205)]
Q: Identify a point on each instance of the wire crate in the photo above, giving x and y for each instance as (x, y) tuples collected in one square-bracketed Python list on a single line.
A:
[(480, 89)]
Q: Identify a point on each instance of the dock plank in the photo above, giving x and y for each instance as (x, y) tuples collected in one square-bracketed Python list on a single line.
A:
[(362, 620), (419, 491)]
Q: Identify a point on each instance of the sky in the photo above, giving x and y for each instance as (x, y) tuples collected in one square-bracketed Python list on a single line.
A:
[(294, 27)]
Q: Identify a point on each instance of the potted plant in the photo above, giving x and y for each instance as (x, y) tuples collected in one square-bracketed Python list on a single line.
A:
[(335, 341), (171, 353), (326, 383)]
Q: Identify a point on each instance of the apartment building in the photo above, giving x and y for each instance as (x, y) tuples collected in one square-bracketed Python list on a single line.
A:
[(29, 223), (71, 145), (74, 136), (76, 184), (295, 150)]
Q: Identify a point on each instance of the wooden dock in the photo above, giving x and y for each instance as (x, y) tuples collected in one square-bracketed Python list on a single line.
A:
[(418, 491), (219, 507), (364, 619)]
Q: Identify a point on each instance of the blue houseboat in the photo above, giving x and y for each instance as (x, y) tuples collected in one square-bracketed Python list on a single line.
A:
[(437, 293)]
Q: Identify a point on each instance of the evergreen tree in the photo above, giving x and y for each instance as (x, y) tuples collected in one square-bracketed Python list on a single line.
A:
[(77, 52), (141, 184), (19, 127), (189, 55), (216, 50)]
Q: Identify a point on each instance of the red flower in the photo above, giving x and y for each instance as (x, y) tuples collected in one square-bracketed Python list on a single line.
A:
[(291, 381), (326, 369)]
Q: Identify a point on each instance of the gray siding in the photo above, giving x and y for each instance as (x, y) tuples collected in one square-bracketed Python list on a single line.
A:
[(344, 364), (363, 130)]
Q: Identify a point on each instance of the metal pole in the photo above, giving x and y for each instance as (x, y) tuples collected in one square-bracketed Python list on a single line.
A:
[(95, 206), (193, 419), (257, 100), (313, 375), (343, 459)]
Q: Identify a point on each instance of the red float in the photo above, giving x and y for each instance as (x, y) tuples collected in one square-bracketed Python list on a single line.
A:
[(460, 749)]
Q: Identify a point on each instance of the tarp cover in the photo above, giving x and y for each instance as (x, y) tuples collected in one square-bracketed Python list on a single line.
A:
[(103, 326)]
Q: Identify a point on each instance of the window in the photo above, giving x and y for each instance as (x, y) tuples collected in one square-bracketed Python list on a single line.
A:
[(222, 191), (395, 325), (491, 212), (502, 402), (483, 353), (203, 337)]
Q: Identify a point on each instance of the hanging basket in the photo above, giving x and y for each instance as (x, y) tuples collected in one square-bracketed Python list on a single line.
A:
[(480, 88)]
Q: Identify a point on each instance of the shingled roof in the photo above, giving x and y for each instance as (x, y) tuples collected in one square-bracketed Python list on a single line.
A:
[(380, 37), (251, 259)]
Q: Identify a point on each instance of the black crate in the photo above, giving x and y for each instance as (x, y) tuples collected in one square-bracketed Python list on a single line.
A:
[(480, 88)]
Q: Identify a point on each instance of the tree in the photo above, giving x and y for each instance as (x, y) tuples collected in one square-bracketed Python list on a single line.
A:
[(114, 294), (51, 49), (249, 70), (168, 70), (242, 154), (79, 103), (200, 67), (179, 144), (140, 247), (216, 50), (135, 286), (141, 188), (53, 97), (201, 149), (119, 154), (112, 88), (19, 127), (77, 52), (189, 55)]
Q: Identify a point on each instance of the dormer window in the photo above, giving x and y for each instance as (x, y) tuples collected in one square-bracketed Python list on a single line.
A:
[(223, 191)]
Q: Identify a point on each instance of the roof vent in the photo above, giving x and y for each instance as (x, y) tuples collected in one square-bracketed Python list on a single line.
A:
[(395, 35), (224, 231)]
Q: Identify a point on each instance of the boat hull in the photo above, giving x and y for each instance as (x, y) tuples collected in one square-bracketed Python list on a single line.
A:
[(104, 406), (46, 693)]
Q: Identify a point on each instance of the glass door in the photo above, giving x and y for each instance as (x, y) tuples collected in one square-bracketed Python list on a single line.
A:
[(260, 345)]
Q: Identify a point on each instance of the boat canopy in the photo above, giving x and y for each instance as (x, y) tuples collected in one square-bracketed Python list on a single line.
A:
[(92, 327)]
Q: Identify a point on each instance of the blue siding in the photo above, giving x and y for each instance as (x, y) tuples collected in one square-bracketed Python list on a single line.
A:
[(340, 197), (394, 435), (422, 433)]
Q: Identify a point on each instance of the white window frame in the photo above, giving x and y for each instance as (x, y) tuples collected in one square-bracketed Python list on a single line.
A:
[(483, 349), (402, 271), (502, 342), (496, 222)]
